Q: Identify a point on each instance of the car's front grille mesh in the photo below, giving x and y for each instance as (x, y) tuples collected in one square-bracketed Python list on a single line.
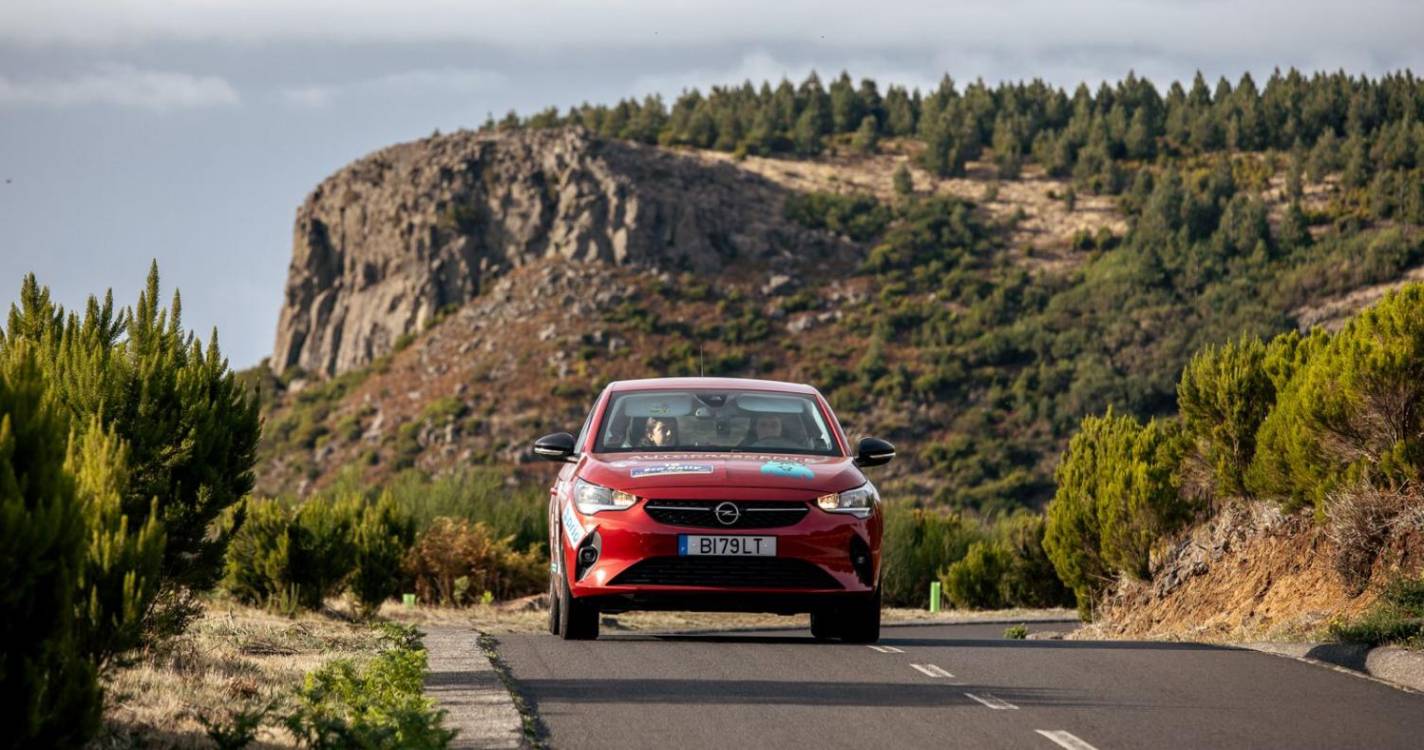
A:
[(732, 572), (751, 514)]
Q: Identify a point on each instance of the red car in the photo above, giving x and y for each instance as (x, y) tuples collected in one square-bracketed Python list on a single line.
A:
[(714, 494)]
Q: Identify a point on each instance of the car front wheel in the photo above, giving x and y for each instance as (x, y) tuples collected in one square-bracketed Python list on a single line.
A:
[(858, 622), (578, 621)]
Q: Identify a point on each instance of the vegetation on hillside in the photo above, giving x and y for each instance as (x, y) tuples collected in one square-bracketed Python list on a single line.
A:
[(1329, 421)]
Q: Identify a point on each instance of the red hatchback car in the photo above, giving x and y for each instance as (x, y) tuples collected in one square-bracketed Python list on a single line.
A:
[(714, 494)]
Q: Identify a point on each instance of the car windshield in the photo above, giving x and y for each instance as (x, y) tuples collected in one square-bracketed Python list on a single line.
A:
[(716, 421)]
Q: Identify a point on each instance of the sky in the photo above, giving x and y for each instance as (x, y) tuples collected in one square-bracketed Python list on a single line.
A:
[(188, 131)]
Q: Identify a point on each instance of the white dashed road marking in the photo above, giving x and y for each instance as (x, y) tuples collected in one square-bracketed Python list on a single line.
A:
[(992, 702), (931, 670), (886, 649), (1065, 740)]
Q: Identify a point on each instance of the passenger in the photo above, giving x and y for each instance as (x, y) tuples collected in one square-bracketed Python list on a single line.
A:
[(659, 432)]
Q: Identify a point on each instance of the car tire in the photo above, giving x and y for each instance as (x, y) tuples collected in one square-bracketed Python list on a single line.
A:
[(824, 625), (553, 601), (578, 621), (860, 622)]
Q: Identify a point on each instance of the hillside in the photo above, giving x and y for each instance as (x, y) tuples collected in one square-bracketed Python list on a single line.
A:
[(452, 298)]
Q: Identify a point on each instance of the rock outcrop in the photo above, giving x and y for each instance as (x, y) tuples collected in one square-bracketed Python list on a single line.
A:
[(388, 242)]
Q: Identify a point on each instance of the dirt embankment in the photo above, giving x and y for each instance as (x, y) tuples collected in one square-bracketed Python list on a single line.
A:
[(1251, 572)]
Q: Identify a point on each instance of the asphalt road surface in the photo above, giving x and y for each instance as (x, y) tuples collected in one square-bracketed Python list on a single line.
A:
[(944, 686)]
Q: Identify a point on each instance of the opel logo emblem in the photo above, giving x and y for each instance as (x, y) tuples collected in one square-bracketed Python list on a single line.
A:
[(727, 513)]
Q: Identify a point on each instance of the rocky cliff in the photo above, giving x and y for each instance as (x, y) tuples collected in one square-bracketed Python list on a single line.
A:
[(384, 245)]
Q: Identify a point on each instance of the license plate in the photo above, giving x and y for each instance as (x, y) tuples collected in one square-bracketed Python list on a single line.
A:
[(726, 545)]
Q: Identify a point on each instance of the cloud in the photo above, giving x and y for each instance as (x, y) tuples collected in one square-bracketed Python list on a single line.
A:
[(411, 82), (120, 85)]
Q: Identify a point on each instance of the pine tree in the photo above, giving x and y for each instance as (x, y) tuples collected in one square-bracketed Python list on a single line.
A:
[(120, 577), (904, 181), (190, 429), (867, 137), (52, 696)]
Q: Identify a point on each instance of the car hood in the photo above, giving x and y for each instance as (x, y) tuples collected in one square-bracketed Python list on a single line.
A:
[(632, 472)]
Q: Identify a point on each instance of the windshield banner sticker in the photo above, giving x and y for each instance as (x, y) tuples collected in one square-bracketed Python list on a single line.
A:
[(787, 469), (572, 528), (666, 469)]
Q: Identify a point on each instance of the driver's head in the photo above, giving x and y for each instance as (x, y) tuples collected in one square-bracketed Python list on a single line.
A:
[(768, 426), (661, 432)]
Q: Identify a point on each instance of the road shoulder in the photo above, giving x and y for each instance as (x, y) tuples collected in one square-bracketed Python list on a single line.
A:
[(465, 683), (1395, 666)]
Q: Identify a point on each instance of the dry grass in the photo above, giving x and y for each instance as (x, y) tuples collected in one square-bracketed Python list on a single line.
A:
[(232, 659), (528, 615)]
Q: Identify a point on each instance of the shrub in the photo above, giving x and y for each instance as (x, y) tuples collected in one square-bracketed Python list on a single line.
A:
[(52, 697), (379, 705), (454, 562), (859, 217), (1223, 396), (1016, 632), (189, 426), (1354, 412), (120, 577), (1117, 494), (381, 538), (1031, 580), (1396, 617), (917, 544), (287, 558), (477, 495), (975, 582)]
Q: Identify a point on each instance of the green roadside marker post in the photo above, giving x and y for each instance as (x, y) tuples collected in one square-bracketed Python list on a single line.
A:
[(409, 599), (934, 596)]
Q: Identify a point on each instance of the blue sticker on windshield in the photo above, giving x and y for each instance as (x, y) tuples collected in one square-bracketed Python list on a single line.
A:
[(666, 469), (787, 469)]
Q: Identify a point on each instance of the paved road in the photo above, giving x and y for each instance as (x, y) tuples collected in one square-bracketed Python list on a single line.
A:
[(944, 686)]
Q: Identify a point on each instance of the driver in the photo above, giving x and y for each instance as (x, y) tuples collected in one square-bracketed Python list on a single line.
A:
[(766, 430), (659, 432)]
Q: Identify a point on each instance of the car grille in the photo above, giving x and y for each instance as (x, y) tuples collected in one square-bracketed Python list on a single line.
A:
[(754, 514), (733, 572)]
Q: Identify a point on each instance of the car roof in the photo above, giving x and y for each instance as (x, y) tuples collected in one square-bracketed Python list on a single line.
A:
[(647, 384)]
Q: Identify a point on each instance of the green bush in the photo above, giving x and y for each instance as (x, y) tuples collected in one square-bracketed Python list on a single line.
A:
[(477, 495), (121, 574), (1008, 570), (1016, 632), (1117, 494), (1224, 395), (288, 557), (1397, 617), (379, 705), (975, 582), (455, 562), (1031, 580), (52, 696), (189, 427), (381, 538), (916, 545), (859, 217), (1353, 413)]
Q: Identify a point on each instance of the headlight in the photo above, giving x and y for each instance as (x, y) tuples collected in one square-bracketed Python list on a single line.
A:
[(857, 502), (591, 498)]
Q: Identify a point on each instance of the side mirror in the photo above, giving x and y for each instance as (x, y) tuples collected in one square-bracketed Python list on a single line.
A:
[(873, 452), (556, 447)]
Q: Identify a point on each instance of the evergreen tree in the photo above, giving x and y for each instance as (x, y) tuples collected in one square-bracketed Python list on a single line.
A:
[(120, 577), (904, 181), (52, 696), (867, 138)]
